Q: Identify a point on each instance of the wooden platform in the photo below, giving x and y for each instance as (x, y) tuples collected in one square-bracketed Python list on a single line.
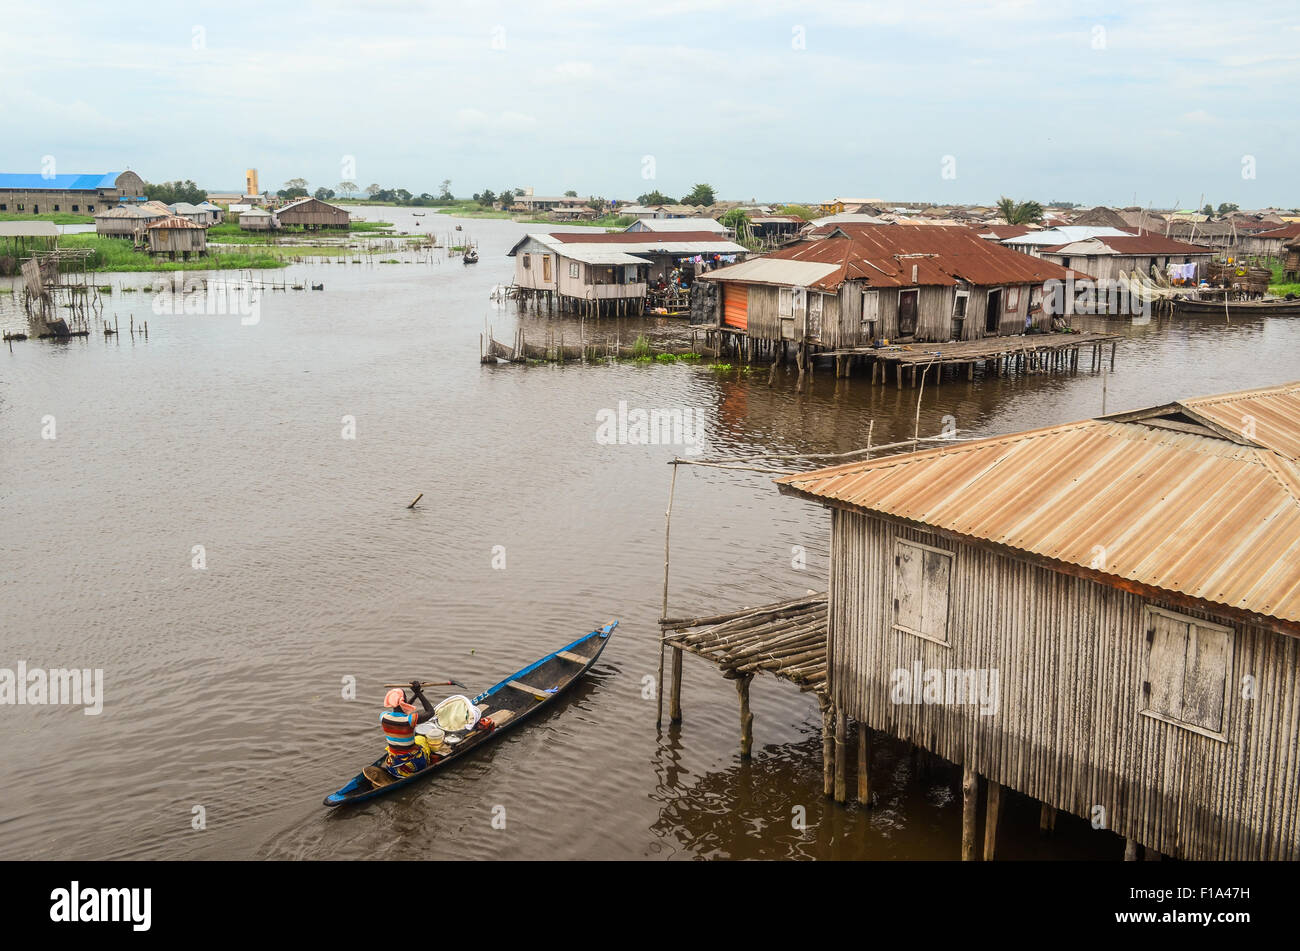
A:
[(787, 639), (1022, 353)]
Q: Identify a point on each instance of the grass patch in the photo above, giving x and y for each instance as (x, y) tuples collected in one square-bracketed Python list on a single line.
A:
[(58, 217), (6, 290), (115, 254), (106, 288), (1279, 285), (641, 348)]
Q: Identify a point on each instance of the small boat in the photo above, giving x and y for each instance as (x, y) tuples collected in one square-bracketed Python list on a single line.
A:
[(460, 227), (505, 705), (418, 214), (1188, 307), (471, 256)]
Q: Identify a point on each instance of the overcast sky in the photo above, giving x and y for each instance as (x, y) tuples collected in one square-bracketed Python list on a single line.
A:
[(960, 100)]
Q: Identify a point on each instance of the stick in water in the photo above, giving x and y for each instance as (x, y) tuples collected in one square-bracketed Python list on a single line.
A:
[(417, 498)]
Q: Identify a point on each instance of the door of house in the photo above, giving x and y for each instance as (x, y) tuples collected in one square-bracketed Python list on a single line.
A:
[(993, 316), (907, 301), (814, 316), (546, 268)]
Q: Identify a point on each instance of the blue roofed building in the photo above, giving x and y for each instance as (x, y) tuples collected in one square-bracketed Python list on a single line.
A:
[(40, 194)]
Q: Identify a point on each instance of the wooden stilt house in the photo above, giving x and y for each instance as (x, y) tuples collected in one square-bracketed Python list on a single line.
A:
[(1103, 615)]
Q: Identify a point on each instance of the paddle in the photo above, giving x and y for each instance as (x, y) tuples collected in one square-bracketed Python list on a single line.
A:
[(432, 683)]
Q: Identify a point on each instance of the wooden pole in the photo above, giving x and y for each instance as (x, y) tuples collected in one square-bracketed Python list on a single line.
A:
[(828, 751), (1130, 850), (992, 813), (864, 765), (675, 702), (746, 717), (1046, 820), (668, 522), (841, 755), (970, 791)]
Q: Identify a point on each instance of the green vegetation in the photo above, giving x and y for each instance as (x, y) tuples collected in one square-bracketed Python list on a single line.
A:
[(169, 193), (655, 197), (115, 254), (1279, 284), (802, 212), (58, 217), (1020, 213), (700, 195), (641, 347), (230, 231)]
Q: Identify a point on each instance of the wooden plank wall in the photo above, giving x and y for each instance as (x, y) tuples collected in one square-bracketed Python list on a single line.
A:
[(1070, 656)]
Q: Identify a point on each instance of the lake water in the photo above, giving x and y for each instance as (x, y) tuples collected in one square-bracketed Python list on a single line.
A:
[(223, 684)]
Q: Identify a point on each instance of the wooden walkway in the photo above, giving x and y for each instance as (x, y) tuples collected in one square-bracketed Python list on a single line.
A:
[(1022, 353), (787, 639)]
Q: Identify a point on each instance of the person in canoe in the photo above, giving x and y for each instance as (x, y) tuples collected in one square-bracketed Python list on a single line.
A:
[(408, 751)]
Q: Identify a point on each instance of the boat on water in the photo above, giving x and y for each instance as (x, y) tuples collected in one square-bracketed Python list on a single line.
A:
[(505, 705), (1191, 307), (471, 256)]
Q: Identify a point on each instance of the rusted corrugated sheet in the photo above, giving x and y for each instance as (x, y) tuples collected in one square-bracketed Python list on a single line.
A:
[(888, 256), (1208, 517)]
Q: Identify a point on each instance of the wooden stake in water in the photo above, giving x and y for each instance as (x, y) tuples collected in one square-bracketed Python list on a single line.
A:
[(668, 523)]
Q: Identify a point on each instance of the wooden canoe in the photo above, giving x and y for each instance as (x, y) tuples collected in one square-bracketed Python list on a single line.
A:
[(506, 704), (1236, 308)]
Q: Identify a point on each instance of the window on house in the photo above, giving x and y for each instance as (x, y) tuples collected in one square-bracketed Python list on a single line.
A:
[(90, 207), (785, 302), (1013, 299), (74, 208), (21, 208), (922, 578), (528, 261), (574, 270), (4, 207), (1188, 665)]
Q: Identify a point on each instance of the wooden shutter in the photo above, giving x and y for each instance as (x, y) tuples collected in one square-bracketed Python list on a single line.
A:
[(921, 581), (735, 305)]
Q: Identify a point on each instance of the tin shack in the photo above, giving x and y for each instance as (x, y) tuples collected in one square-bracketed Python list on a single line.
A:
[(1129, 586)]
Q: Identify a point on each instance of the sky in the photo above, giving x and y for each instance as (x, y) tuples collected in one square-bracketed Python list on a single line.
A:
[(1159, 104)]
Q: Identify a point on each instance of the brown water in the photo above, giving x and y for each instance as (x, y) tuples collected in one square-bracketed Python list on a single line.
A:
[(223, 685)]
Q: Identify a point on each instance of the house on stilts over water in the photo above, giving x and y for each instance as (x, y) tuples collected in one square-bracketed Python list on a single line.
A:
[(612, 274), (852, 286), (1129, 587)]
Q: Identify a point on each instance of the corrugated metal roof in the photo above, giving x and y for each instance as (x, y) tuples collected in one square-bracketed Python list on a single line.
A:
[(599, 254), (1288, 231), (175, 222), (39, 182), (635, 242), (707, 225), (1129, 244), (1216, 518), (774, 270), (1065, 234), (885, 255)]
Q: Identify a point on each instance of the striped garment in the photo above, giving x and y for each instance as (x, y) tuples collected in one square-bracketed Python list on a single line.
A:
[(399, 730)]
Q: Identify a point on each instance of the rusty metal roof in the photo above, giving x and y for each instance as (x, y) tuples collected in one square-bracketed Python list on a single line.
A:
[(175, 222), (631, 237), (885, 255), (1286, 231), (1129, 245), (1200, 497)]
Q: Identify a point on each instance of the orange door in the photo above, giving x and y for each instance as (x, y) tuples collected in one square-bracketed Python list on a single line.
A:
[(735, 305)]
